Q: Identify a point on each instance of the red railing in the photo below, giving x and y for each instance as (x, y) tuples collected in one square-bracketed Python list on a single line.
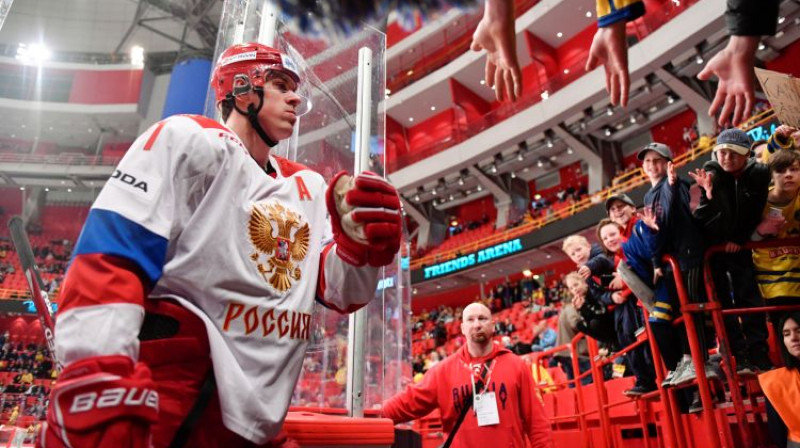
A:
[(718, 421), (638, 30)]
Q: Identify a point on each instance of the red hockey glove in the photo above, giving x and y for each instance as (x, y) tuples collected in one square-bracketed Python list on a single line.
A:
[(365, 216), (103, 402)]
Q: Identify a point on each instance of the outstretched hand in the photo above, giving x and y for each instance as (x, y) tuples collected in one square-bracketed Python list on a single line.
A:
[(496, 35), (649, 218), (703, 179), (733, 67), (610, 49)]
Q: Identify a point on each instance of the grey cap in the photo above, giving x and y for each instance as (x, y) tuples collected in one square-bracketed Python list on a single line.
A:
[(619, 197), (734, 139), (659, 148)]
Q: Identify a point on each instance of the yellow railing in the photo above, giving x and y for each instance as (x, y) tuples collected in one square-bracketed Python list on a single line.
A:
[(624, 183)]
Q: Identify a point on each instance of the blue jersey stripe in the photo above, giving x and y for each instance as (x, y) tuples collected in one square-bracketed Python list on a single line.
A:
[(109, 233), (627, 14)]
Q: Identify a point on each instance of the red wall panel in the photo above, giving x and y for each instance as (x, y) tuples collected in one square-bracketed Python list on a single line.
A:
[(542, 53), (571, 176), (670, 131), (434, 129), (574, 51), (473, 105), (11, 202), (26, 329), (787, 62), (396, 145), (453, 298), (106, 87), (474, 210)]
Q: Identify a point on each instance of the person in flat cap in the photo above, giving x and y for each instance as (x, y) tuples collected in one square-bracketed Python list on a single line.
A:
[(622, 210), (734, 192), (667, 211)]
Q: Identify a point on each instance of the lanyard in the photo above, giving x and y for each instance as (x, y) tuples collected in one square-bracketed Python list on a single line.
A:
[(486, 382)]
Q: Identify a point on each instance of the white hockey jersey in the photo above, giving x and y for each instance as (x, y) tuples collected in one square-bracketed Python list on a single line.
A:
[(205, 225)]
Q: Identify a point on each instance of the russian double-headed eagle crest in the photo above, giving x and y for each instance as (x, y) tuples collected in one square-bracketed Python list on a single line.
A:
[(271, 229)]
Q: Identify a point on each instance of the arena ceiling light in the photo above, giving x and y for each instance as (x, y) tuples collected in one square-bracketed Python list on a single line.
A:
[(33, 54), (137, 56)]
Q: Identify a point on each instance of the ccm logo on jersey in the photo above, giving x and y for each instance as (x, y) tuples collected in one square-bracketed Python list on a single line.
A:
[(110, 398), (142, 185)]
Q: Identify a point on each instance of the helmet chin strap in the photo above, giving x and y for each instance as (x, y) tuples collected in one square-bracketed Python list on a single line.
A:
[(252, 117)]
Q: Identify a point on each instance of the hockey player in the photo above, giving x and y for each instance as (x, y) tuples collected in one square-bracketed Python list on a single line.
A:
[(185, 313)]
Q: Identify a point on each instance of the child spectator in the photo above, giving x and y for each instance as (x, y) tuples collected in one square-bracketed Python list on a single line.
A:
[(569, 323), (677, 235), (778, 269), (627, 316), (622, 210), (733, 195), (598, 322)]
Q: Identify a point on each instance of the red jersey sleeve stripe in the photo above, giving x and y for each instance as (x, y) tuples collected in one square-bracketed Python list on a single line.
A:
[(151, 141), (98, 279)]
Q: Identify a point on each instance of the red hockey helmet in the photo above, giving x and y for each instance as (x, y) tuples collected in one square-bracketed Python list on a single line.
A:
[(252, 60)]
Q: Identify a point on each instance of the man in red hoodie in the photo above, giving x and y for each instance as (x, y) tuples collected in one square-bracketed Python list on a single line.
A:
[(484, 373)]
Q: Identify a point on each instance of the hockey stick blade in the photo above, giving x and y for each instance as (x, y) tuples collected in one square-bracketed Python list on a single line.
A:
[(22, 244)]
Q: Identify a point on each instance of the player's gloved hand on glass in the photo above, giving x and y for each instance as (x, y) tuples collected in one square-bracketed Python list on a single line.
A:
[(365, 217), (102, 402)]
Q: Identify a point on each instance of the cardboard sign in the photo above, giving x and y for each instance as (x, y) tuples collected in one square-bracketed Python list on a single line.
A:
[(783, 92)]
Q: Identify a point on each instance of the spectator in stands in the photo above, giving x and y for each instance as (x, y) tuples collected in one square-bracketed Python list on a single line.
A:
[(544, 337), (569, 323), (621, 209), (593, 305), (628, 318), (778, 271), (510, 328), (500, 328), (784, 137), (733, 195), (677, 235), (520, 347), (757, 150), (782, 387), (486, 370)]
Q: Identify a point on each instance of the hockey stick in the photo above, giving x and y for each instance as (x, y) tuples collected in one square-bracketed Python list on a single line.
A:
[(35, 284)]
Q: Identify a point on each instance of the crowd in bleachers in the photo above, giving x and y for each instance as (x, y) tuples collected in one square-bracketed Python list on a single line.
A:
[(620, 281), (525, 316), (26, 375)]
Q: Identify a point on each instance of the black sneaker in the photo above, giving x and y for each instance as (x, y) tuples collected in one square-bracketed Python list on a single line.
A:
[(697, 404), (745, 368), (639, 390), (762, 363)]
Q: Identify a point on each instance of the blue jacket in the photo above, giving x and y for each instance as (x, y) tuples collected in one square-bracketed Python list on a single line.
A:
[(679, 234)]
